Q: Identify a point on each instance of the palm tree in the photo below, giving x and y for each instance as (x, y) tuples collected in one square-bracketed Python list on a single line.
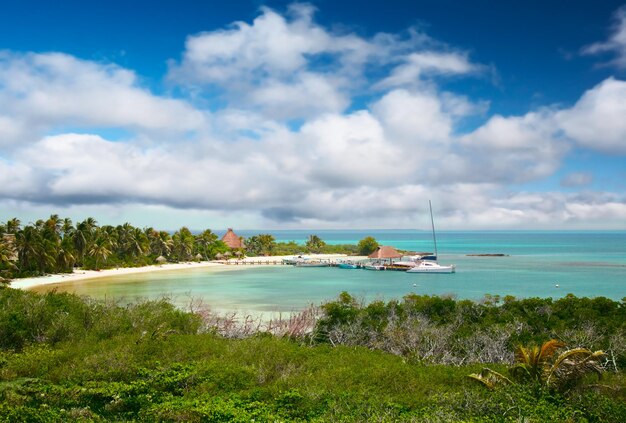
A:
[(267, 244), (129, 241), (539, 365), (34, 251), (7, 266), (12, 225), (206, 243), (83, 237), (160, 243), (571, 366), (183, 244), (67, 228), (65, 260), (315, 244), (100, 250), (53, 225), (27, 243), (532, 361)]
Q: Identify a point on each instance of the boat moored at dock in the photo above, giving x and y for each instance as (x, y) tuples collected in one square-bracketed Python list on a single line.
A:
[(428, 266)]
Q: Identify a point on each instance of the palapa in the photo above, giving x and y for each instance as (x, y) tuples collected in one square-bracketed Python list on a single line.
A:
[(232, 240), (385, 252)]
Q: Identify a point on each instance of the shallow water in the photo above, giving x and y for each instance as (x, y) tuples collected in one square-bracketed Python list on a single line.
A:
[(582, 263)]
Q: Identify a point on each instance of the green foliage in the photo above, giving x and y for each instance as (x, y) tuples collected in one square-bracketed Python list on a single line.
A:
[(151, 362), (367, 246), (542, 367), (260, 245), (314, 244), (56, 245), (27, 318), (442, 330)]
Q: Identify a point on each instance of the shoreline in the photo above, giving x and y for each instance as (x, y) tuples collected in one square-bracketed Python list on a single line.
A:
[(83, 275)]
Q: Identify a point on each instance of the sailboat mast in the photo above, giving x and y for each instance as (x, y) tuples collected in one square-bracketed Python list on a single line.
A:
[(432, 221)]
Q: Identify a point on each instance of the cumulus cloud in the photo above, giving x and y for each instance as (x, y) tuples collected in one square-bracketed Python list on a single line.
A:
[(270, 63), (515, 148), (369, 163), (616, 42), (597, 120), (290, 67), (40, 92)]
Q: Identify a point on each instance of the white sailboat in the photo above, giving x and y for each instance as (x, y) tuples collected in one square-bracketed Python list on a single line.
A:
[(431, 266)]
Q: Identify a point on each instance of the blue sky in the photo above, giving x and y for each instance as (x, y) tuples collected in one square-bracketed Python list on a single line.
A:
[(315, 115)]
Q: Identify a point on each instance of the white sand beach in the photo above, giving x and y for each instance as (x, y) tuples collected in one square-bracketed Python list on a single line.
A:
[(80, 275)]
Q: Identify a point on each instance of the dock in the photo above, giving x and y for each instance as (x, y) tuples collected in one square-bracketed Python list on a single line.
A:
[(329, 263)]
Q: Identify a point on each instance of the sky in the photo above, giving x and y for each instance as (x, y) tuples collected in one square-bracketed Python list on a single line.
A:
[(316, 115)]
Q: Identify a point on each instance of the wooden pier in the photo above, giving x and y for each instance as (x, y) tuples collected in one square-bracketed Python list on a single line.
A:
[(254, 262)]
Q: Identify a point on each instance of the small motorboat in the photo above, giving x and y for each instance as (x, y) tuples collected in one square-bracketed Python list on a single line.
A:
[(347, 266), (428, 266), (307, 263), (374, 267)]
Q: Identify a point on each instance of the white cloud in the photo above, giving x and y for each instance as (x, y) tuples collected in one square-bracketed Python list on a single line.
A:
[(307, 95), (616, 43), (269, 64), (287, 67), (369, 164), (597, 121), (41, 92), (414, 119), (514, 149), (416, 66)]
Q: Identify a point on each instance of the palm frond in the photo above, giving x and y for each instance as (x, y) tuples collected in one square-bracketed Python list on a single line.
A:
[(572, 365), (549, 348), (489, 378)]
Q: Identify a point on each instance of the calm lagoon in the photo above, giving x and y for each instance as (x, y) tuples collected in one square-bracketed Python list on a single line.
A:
[(582, 263)]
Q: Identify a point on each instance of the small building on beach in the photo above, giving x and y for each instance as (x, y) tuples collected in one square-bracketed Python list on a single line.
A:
[(385, 253), (233, 241)]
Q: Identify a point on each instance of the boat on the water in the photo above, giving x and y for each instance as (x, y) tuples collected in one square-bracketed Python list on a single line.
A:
[(307, 263), (429, 266), (428, 263), (374, 267), (347, 266), (291, 261)]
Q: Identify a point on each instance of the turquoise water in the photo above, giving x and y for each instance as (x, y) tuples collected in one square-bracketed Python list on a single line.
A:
[(582, 263)]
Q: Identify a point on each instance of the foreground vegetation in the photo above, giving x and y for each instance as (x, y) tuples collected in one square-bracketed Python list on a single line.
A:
[(65, 358)]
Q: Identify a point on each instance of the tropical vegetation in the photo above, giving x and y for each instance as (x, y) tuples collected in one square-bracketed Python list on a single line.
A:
[(56, 245), (367, 246), (67, 358)]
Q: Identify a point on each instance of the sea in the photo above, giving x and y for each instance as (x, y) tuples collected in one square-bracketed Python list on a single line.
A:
[(535, 264)]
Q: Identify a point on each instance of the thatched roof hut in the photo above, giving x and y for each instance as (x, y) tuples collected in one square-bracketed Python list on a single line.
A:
[(161, 260), (232, 240), (384, 252)]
